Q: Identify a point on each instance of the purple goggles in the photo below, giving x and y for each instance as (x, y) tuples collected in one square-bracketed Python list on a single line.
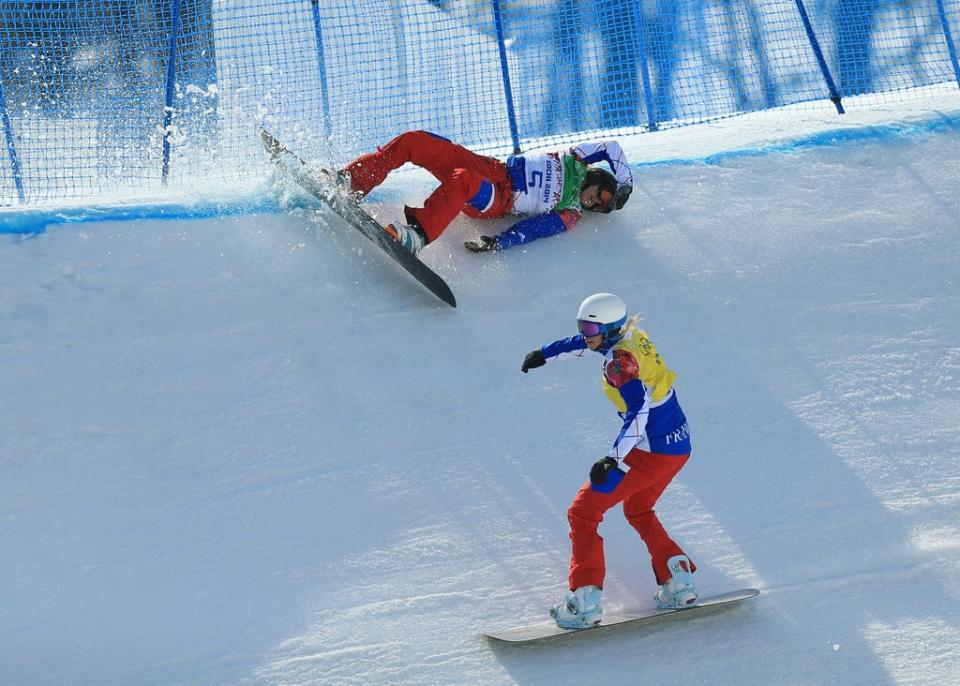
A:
[(589, 329)]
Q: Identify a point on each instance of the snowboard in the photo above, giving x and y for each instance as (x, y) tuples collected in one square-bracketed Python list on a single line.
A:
[(322, 184), (549, 628)]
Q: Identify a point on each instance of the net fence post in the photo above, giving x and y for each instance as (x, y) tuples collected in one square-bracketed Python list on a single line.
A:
[(171, 77), (948, 36), (640, 30), (818, 53), (505, 71), (11, 146), (322, 65)]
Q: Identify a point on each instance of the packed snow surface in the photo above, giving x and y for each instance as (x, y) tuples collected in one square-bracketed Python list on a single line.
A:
[(250, 450)]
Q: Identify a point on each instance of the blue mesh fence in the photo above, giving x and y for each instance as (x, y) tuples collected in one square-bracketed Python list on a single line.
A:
[(116, 97)]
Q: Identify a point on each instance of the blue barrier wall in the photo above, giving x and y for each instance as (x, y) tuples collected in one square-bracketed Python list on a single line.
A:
[(113, 97)]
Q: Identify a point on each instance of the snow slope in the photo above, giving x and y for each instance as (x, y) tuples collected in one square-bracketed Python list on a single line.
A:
[(249, 451)]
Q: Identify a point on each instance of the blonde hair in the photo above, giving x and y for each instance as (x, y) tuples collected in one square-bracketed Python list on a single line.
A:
[(632, 323)]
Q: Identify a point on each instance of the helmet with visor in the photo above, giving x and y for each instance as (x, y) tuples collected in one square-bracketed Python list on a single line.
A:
[(602, 314)]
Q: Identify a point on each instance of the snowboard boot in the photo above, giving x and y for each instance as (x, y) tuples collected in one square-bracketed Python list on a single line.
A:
[(409, 236), (679, 590), (581, 609)]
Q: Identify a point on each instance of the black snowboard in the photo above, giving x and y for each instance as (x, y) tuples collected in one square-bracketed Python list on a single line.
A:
[(322, 183)]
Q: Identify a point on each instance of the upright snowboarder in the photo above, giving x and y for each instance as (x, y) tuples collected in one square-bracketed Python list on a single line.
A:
[(553, 188), (652, 446)]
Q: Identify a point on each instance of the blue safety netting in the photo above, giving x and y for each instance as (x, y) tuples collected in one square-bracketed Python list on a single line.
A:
[(115, 97)]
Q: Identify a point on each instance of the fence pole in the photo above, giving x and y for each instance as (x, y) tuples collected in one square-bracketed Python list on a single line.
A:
[(949, 38), (400, 44), (507, 91), (815, 44), (11, 146), (322, 63), (171, 75), (641, 31)]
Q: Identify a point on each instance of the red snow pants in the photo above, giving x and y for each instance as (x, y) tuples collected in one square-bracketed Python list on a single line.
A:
[(462, 174), (649, 475)]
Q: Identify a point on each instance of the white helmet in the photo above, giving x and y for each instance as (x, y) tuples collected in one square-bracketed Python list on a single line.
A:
[(602, 313)]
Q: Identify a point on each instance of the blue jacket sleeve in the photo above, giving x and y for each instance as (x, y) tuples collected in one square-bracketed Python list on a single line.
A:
[(634, 396), (530, 229), (564, 345)]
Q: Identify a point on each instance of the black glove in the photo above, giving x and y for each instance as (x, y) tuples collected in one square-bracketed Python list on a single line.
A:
[(532, 360), (485, 244), (601, 470), (621, 196)]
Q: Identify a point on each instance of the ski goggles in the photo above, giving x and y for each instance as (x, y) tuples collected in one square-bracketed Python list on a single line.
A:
[(589, 329)]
